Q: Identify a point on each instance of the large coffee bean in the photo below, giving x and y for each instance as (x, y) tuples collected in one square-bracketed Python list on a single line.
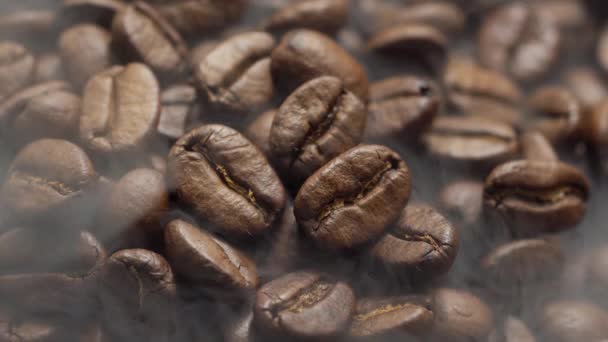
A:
[(85, 51), (570, 321), (321, 15), (556, 113), (460, 316)]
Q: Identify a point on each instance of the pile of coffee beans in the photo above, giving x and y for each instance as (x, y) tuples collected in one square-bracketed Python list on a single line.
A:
[(304, 170)]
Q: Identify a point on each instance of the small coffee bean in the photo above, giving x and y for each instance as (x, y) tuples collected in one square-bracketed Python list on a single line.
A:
[(402, 107), (518, 40), (536, 197), (304, 305), (317, 122), (385, 317), (120, 109), (145, 36), (304, 54), (556, 113), (179, 110), (512, 330), (16, 68), (353, 198), (460, 316), (536, 147), (85, 51), (226, 180), (326, 16), (190, 250), (48, 68), (235, 75), (586, 86), (573, 321), (258, 131), (462, 202)]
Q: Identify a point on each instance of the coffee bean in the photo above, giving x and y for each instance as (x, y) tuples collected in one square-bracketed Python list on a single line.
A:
[(572, 19), (402, 107), (226, 180), (586, 86), (304, 305), (47, 177), (535, 197), (137, 295), (512, 330), (179, 110), (556, 113), (45, 110), (226, 270), (460, 316), (48, 68), (475, 90), (85, 51), (326, 16), (304, 54), (471, 142), (570, 321), (424, 44), (353, 198), (120, 109), (403, 316), (16, 68), (462, 202), (536, 147), (145, 36), (258, 131), (317, 122), (235, 75), (518, 40), (422, 245)]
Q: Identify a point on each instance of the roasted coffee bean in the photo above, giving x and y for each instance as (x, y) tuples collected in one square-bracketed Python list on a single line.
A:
[(595, 132), (353, 198), (98, 12), (471, 141), (512, 330), (304, 54), (403, 316), (556, 113), (132, 212), (422, 245), (25, 250), (120, 109), (179, 110), (536, 147), (424, 44), (208, 261), (586, 86), (16, 68), (523, 263), (536, 197), (85, 51), (403, 107), (48, 68), (317, 122), (327, 16), (235, 75), (47, 178), (226, 180), (144, 35), (258, 131), (460, 316), (462, 201), (516, 39), (46, 110), (475, 90), (137, 295), (304, 305), (573, 321)]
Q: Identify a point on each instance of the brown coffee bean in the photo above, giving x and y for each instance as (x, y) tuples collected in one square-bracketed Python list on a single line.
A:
[(512, 330), (46, 110), (572, 19), (326, 16), (304, 305), (425, 44), (120, 109), (85, 51), (145, 36), (460, 316), (179, 110), (48, 68), (402, 107), (353, 198), (536, 197), (462, 202), (556, 113), (317, 122), (226, 180), (516, 39), (258, 131), (422, 245), (225, 269), (586, 85), (536, 147), (303, 55), (384, 317), (16, 68), (47, 177), (573, 321), (235, 75), (475, 90), (471, 141)]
